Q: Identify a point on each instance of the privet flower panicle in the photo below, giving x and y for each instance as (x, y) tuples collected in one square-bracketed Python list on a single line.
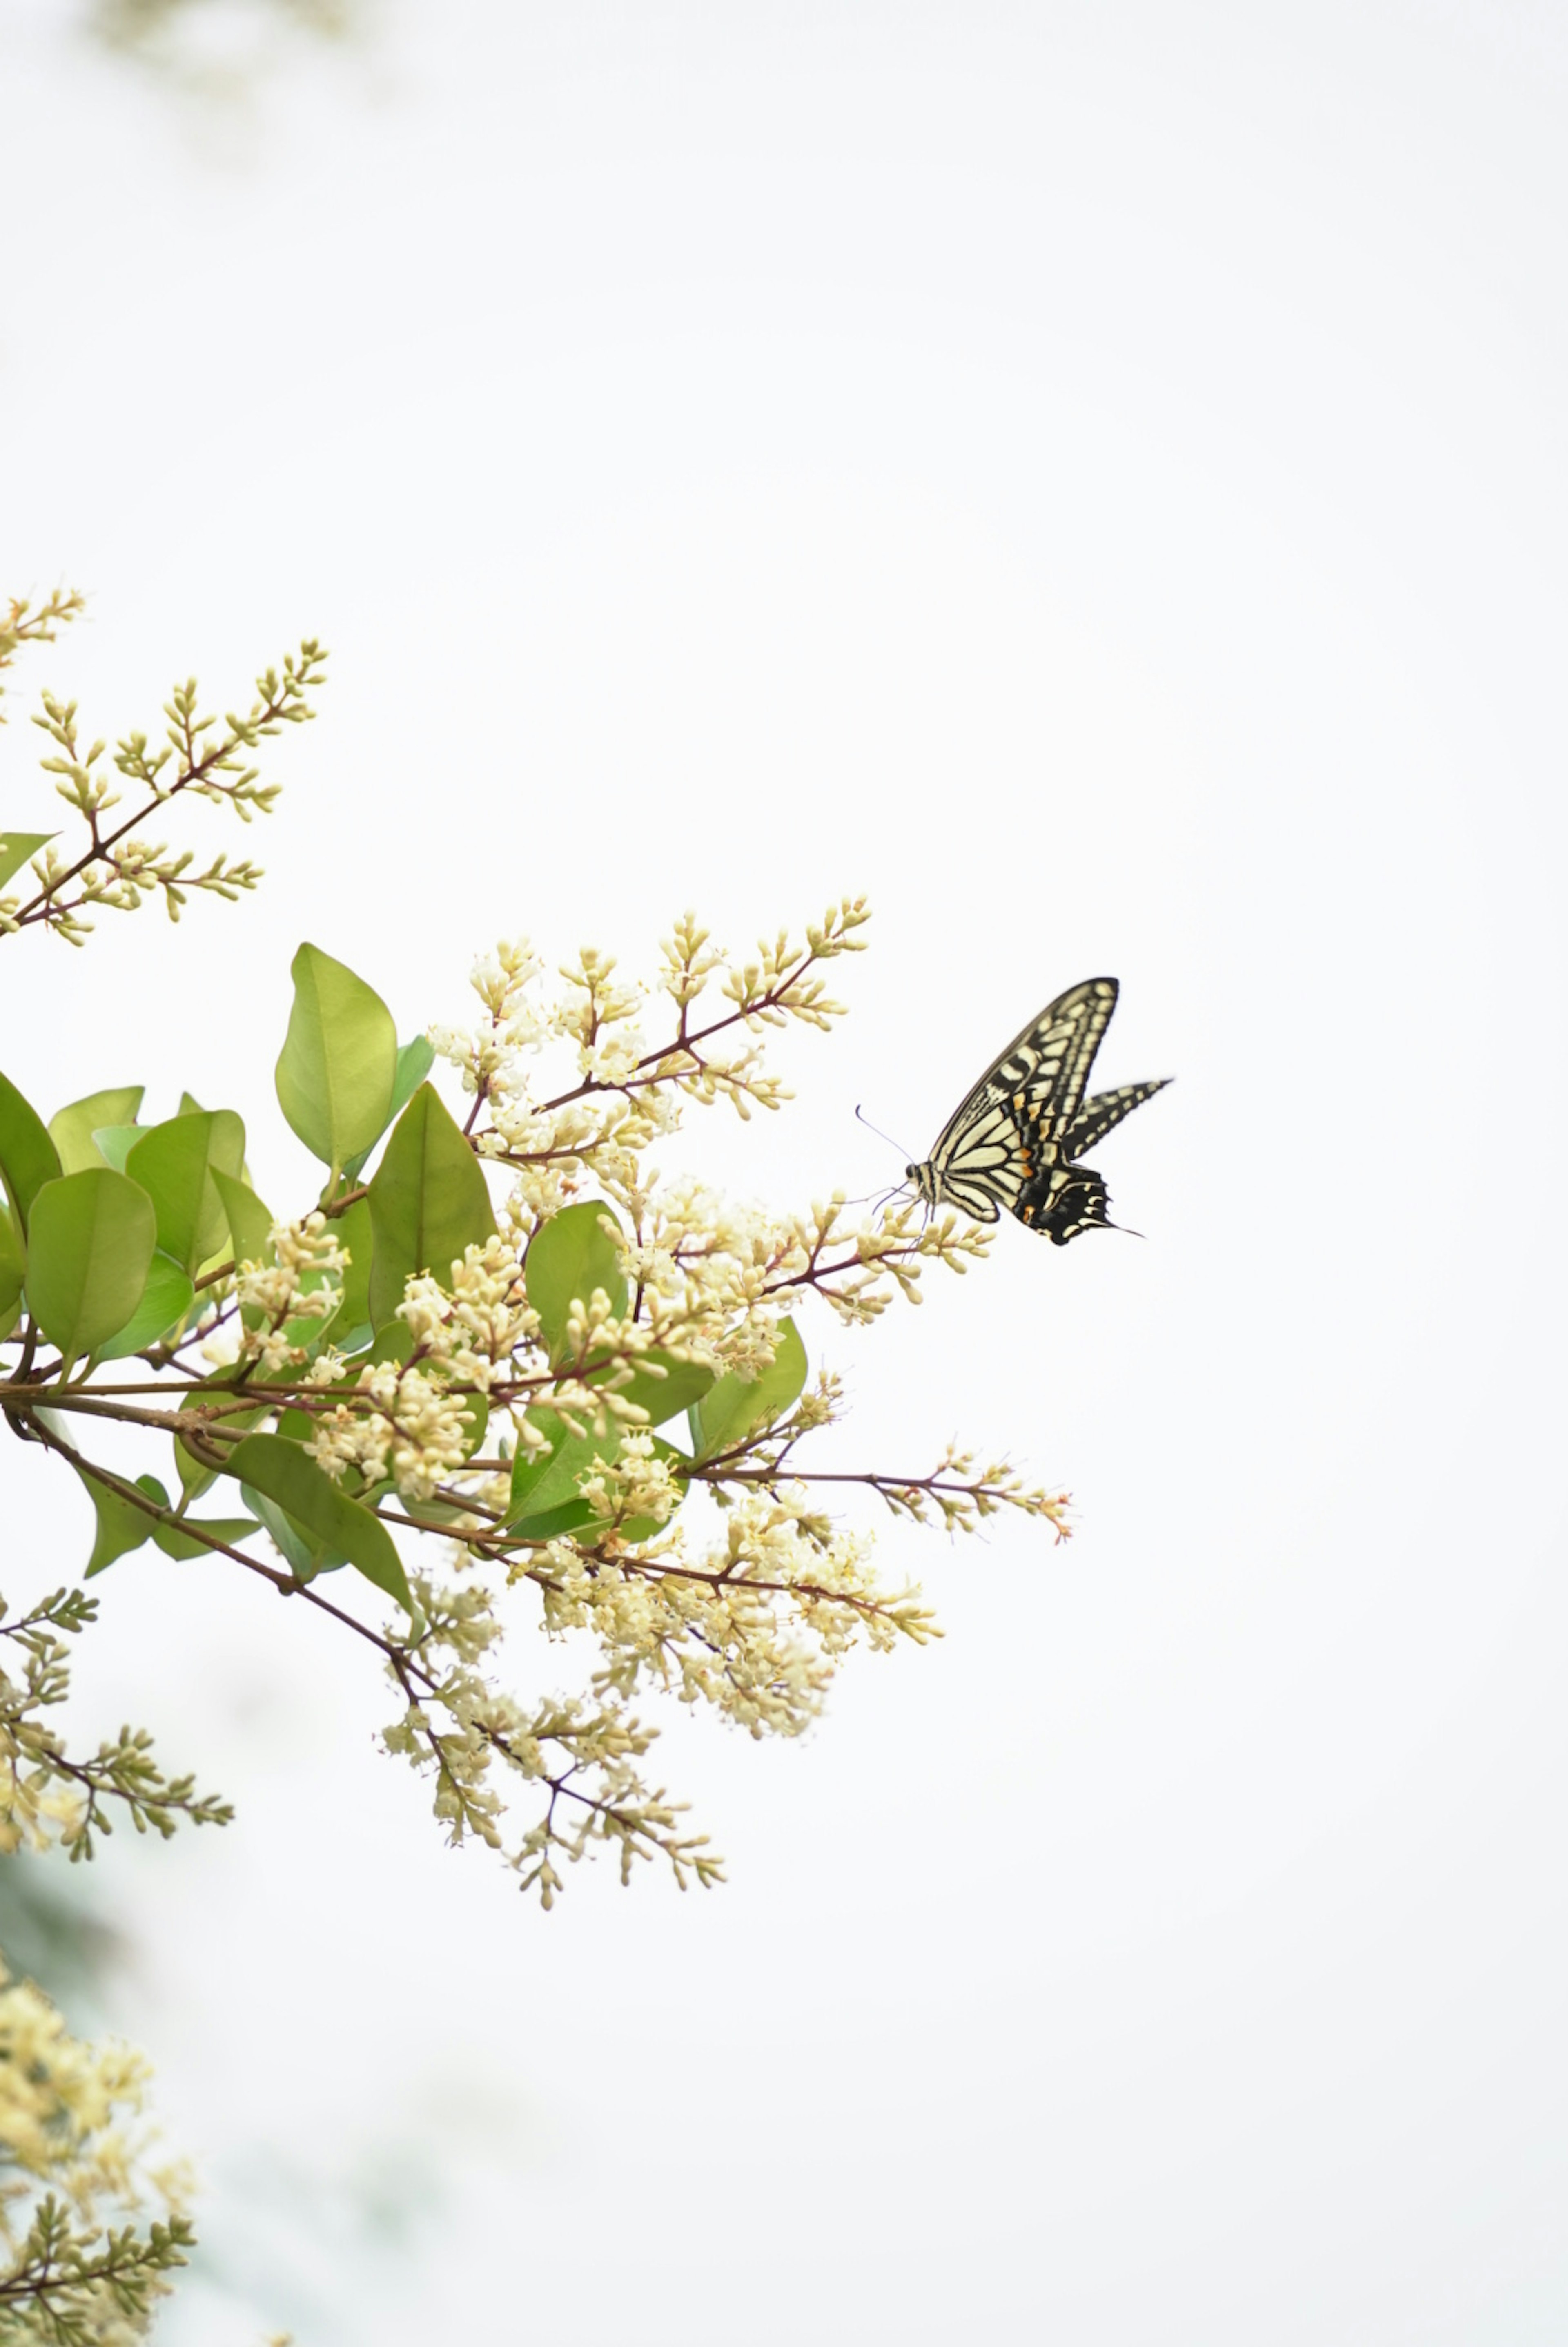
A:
[(755, 1626), (413, 1429)]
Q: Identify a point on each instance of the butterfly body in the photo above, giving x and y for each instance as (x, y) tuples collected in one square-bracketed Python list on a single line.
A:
[(1016, 1137)]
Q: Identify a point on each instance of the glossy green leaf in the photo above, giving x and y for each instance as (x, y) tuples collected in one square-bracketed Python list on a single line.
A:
[(175, 1163), (304, 1556), (545, 1480), (195, 1475), (545, 1498), (167, 1296), (414, 1062), (72, 1129), (89, 1247), (28, 1158), (356, 1236), (231, 1530), (121, 1524), (392, 1342), (568, 1257), (663, 1398), (736, 1406), (415, 1059), (339, 1062), (279, 1471), (13, 1262), (114, 1143), (19, 847), (10, 1315), (427, 1202), (249, 1222)]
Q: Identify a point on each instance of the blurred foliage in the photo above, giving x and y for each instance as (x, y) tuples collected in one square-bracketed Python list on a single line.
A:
[(226, 52), (148, 24), (47, 1932)]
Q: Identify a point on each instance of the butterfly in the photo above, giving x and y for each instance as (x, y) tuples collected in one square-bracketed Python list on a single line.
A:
[(1016, 1139)]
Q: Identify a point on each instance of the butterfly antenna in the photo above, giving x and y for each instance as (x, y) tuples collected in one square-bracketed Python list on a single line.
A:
[(876, 1128)]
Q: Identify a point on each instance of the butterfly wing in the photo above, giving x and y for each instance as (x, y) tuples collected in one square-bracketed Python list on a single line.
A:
[(976, 1163), (1047, 1062), (1103, 1113), (1053, 1054), (1064, 1202)]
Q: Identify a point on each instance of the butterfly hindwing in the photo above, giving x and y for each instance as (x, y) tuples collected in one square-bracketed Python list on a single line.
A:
[(1013, 1139), (1104, 1113), (1073, 1198)]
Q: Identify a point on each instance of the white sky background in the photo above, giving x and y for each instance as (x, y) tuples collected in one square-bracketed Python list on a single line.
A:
[(1095, 479)]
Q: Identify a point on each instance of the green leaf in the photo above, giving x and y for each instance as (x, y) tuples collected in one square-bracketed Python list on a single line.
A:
[(428, 1202), (174, 1542), (305, 1557), (568, 1257), (339, 1062), (545, 1499), (546, 1481), (122, 1525), (356, 1236), (114, 1143), (195, 1475), (414, 1062), (18, 847), (89, 1247), (249, 1222), (392, 1342), (166, 1299), (72, 1129), (738, 1406), (415, 1059), (13, 1262), (683, 1383), (331, 1522), (175, 1164), (28, 1158)]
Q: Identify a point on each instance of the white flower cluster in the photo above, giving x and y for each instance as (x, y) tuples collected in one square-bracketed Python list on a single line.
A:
[(302, 1283), (473, 1326), (414, 1431), (636, 1484)]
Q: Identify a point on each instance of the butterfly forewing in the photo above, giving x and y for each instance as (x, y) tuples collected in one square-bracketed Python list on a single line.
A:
[(1052, 1056)]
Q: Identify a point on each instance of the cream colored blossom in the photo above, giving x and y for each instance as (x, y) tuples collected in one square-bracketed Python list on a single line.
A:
[(70, 2115)]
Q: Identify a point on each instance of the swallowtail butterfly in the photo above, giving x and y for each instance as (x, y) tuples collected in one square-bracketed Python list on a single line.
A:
[(1016, 1140)]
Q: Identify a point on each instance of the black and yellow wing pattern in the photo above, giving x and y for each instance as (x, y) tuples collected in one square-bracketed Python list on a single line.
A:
[(1016, 1137)]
